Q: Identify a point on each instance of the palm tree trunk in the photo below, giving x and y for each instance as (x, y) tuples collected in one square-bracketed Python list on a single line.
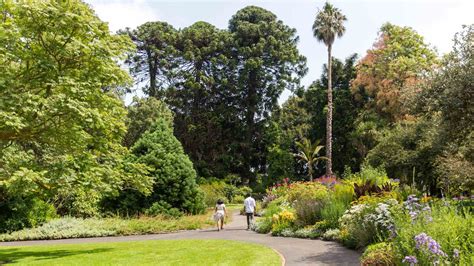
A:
[(329, 117), (310, 172)]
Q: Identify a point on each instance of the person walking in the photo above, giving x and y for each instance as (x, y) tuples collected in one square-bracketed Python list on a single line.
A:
[(250, 209), (220, 213)]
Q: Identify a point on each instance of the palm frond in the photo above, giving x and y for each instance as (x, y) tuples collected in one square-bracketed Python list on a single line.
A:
[(329, 24)]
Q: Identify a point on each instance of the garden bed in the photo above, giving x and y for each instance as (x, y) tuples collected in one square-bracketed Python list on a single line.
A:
[(68, 227), (392, 224)]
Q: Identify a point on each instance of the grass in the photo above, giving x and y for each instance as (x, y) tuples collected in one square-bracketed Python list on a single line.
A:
[(162, 252), (68, 227)]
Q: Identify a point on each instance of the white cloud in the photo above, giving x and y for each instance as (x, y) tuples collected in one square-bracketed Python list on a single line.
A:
[(123, 13)]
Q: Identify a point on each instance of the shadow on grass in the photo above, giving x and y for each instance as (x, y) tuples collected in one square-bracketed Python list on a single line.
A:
[(15, 255)]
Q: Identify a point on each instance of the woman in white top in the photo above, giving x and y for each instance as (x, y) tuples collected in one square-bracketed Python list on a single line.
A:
[(219, 214)]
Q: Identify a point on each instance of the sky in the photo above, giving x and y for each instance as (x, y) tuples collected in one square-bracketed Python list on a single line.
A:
[(436, 20)]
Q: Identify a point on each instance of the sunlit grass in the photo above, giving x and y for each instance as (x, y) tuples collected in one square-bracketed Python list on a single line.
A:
[(156, 252)]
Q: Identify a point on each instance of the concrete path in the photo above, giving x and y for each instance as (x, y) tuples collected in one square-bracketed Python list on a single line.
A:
[(295, 251)]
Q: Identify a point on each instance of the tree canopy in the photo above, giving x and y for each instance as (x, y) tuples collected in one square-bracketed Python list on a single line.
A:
[(61, 118), (391, 69), (225, 85)]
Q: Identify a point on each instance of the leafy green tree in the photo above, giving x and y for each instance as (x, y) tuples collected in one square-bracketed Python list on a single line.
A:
[(390, 71), (450, 88), (388, 76), (267, 62), (142, 114), (308, 153), (173, 174), (407, 152), (61, 121), (329, 24), (279, 157), (288, 124), (435, 150), (447, 98), (451, 93)]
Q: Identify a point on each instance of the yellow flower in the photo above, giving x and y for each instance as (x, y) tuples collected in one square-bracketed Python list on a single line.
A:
[(286, 216), (275, 218), (425, 199)]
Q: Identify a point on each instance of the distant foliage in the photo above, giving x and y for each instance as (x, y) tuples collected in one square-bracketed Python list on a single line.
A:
[(142, 114), (163, 208), (17, 213), (216, 190)]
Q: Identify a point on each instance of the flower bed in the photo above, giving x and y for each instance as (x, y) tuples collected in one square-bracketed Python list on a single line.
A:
[(392, 226)]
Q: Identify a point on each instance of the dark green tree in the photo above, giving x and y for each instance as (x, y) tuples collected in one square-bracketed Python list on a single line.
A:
[(202, 99), (280, 159), (289, 124), (154, 61), (174, 178), (267, 62)]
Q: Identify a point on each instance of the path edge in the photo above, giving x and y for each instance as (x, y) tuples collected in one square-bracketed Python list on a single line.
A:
[(283, 260)]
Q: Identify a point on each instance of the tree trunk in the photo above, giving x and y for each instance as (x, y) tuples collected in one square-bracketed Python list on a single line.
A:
[(251, 105), (310, 172), (329, 117), (152, 68)]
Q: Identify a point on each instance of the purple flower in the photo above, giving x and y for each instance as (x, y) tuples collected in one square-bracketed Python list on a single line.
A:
[(416, 209), (412, 198), (411, 260), (424, 241), (456, 253), (421, 239)]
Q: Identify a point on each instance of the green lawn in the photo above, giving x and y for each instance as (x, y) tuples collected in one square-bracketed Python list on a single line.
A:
[(162, 252)]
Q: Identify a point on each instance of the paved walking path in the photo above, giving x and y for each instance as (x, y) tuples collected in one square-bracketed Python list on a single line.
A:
[(295, 251)]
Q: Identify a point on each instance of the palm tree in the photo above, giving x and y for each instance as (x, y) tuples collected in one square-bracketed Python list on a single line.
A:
[(329, 24), (309, 154)]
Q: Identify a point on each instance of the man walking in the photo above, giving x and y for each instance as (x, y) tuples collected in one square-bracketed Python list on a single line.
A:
[(250, 209)]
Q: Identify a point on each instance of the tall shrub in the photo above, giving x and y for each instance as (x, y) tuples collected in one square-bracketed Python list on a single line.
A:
[(173, 174), (308, 200)]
